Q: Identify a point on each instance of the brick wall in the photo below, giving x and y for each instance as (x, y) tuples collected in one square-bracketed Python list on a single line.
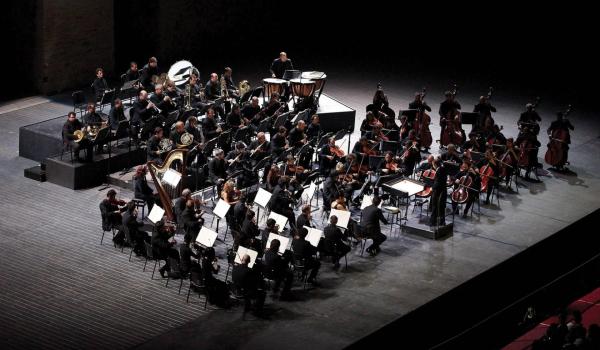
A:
[(74, 38)]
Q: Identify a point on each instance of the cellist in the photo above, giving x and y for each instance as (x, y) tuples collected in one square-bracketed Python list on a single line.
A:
[(468, 171), (489, 174), (528, 150), (559, 132), (509, 160)]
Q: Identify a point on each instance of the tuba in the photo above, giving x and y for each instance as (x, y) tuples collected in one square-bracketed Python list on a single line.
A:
[(244, 87)]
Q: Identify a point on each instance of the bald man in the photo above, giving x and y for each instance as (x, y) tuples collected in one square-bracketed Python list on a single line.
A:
[(247, 281), (175, 135), (212, 91), (280, 65)]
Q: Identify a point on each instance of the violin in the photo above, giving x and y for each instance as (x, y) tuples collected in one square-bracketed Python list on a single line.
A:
[(296, 169), (117, 202), (368, 150), (336, 151)]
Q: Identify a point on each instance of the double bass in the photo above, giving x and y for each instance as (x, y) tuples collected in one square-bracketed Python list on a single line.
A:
[(422, 122), (555, 155)]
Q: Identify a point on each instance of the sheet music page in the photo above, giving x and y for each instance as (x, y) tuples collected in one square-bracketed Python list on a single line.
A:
[(368, 200), (308, 194), (242, 251), (409, 187), (314, 236), (221, 209), (172, 177), (279, 220), (206, 237), (156, 214), (343, 217), (262, 197), (285, 241)]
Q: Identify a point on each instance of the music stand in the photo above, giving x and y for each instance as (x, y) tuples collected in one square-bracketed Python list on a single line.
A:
[(469, 118), (261, 163), (375, 161), (290, 74), (206, 237), (156, 214), (241, 251), (220, 211), (279, 220), (340, 134), (128, 90), (241, 134), (246, 96), (262, 199), (392, 146), (280, 121), (343, 217), (411, 114), (314, 236), (107, 98), (186, 114), (324, 139), (282, 239), (308, 194)]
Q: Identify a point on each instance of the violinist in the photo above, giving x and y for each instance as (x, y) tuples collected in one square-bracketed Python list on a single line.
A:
[(368, 124), (559, 132), (229, 193), (389, 164), (484, 109), (377, 135), (467, 180), (358, 170), (528, 150), (530, 118), (328, 156), (411, 155), (405, 127), (365, 147), (297, 172), (111, 213), (489, 174), (439, 194), (272, 178)]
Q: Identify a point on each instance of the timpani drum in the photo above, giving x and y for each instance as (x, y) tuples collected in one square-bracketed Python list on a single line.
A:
[(272, 85), (302, 87), (318, 77)]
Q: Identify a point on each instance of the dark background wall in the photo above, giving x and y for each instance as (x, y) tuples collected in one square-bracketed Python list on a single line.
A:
[(548, 48)]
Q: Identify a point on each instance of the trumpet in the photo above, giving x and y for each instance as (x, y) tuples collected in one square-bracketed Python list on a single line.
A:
[(151, 104)]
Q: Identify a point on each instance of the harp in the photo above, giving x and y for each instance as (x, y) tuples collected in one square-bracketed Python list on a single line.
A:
[(174, 161)]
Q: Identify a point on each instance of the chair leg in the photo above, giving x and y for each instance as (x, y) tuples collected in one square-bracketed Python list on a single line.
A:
[(168, 278), (154, 269), (180, 285), (102, 238), (145, 262), (187, 300), (130, 253)]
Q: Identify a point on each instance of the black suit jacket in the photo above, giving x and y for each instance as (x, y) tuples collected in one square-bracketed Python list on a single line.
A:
[(371, 216)]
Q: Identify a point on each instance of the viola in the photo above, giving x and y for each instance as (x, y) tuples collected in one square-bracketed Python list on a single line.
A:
[(295, 169)]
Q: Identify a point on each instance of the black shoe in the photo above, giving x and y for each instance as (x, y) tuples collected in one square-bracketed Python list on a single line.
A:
[(486, 202), (162, 273), (464, 215)]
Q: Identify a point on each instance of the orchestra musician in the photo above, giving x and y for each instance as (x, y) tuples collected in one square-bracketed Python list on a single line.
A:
[(528, 144), (333, 243), (196, 100), (161, 100), (162, 246), (467, 170), (217, 169), (132, 73), (281, 201), (297, 175), (439, 194), (484, 109), (530, 118), (142, 190), (210, 127), (250, 110), (192, 129), (175, 135), (111, 213), (418, 103), (452, 160), (376, 134), (448, 109), (116, 114), (279, 143), (91, 118), (272, 179), (562, 125), (249, 231), (328, 155), (235, 119), (141, 113), (99, 85), (192, 219), (368, 124), (296, 136), (237, 160), (304, 219), (339, 203), (389, 164), (150, 69), (490, 162), (153, 148), (371, 216), (259, 147), (229, 193), (306, 252), (411, 155), (137, 235), (230, 85), (276, 267), (280, 65), (313, 131), (426, 164), (248, 282), (212, 89), (69, 127), (172, 92)]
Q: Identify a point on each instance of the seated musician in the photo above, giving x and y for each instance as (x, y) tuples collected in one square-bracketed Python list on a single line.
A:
[(513, 151), (180, 205), (161, 100), (218, 292), (116, 114), (153, 149), (235, 120), (230, 85), (364, 146), (277, 268), (192, 86), (296, 136), (389, 164), (149, 70), (304, 219), (474, 147), (240, 209), (327, 158), (495, 136), (186, 253), (134, 226), (281, 201), (491, 162), (279, 143), (142, 190), (528, 139), (210, 128), (371, 216), (69, 127), (172, 92), (273, 105), (91, 118), (217, 168), (530, 118), (411, 155), (260, 147), (280, 65), (272, 178), (377, 134), (306, 252), (111, 213), (473, 191), (176, 133), (451, 155), (425, 164), (564, 125), (485, 109), (162, 246), (270, 227), (339, 203), (313, 131), (99, 85), (141, 113), (333, 244), (368, 124), (192, 219), (212, 90), (250, 110), (132, 73), (192, 129), (229, 193), (405, 127), (418, 103), (248, 282), (237, 158), (249, 233)]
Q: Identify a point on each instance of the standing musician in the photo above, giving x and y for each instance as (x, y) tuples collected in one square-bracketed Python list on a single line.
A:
[(439, 194), (559, 132), (99, 85), (418, 103), (111, 213), (405, 127), (150, 69), (153, 149), (371, 216), (467, 171), (116, 114), (210, 127), (217, 168), (448, 110), (313, 130), (280, 65), (212, 90), (229, 84), (485, 109), (69, 127), (530, 118), (528, 145)]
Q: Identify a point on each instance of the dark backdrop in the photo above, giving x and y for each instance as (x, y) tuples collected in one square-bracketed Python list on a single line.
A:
[(548, 48)]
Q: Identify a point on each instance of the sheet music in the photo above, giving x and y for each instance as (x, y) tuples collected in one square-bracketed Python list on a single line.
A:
[(206, 237), (221, 209), (283, 240), (279, 220), (343, 217), (262, 197), (368, 200), (172, 177), (408, 186), (242, 251), (314, 236), (156, 214), (309, 193)]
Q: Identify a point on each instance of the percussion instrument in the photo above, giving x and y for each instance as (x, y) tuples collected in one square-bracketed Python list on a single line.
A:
[(272, 85), (319, 78), (303, 88)]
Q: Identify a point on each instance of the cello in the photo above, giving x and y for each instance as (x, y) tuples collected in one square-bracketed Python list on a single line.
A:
[(427, 177), (461, 193), (508, 160), (486, 172), (555, 155)]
